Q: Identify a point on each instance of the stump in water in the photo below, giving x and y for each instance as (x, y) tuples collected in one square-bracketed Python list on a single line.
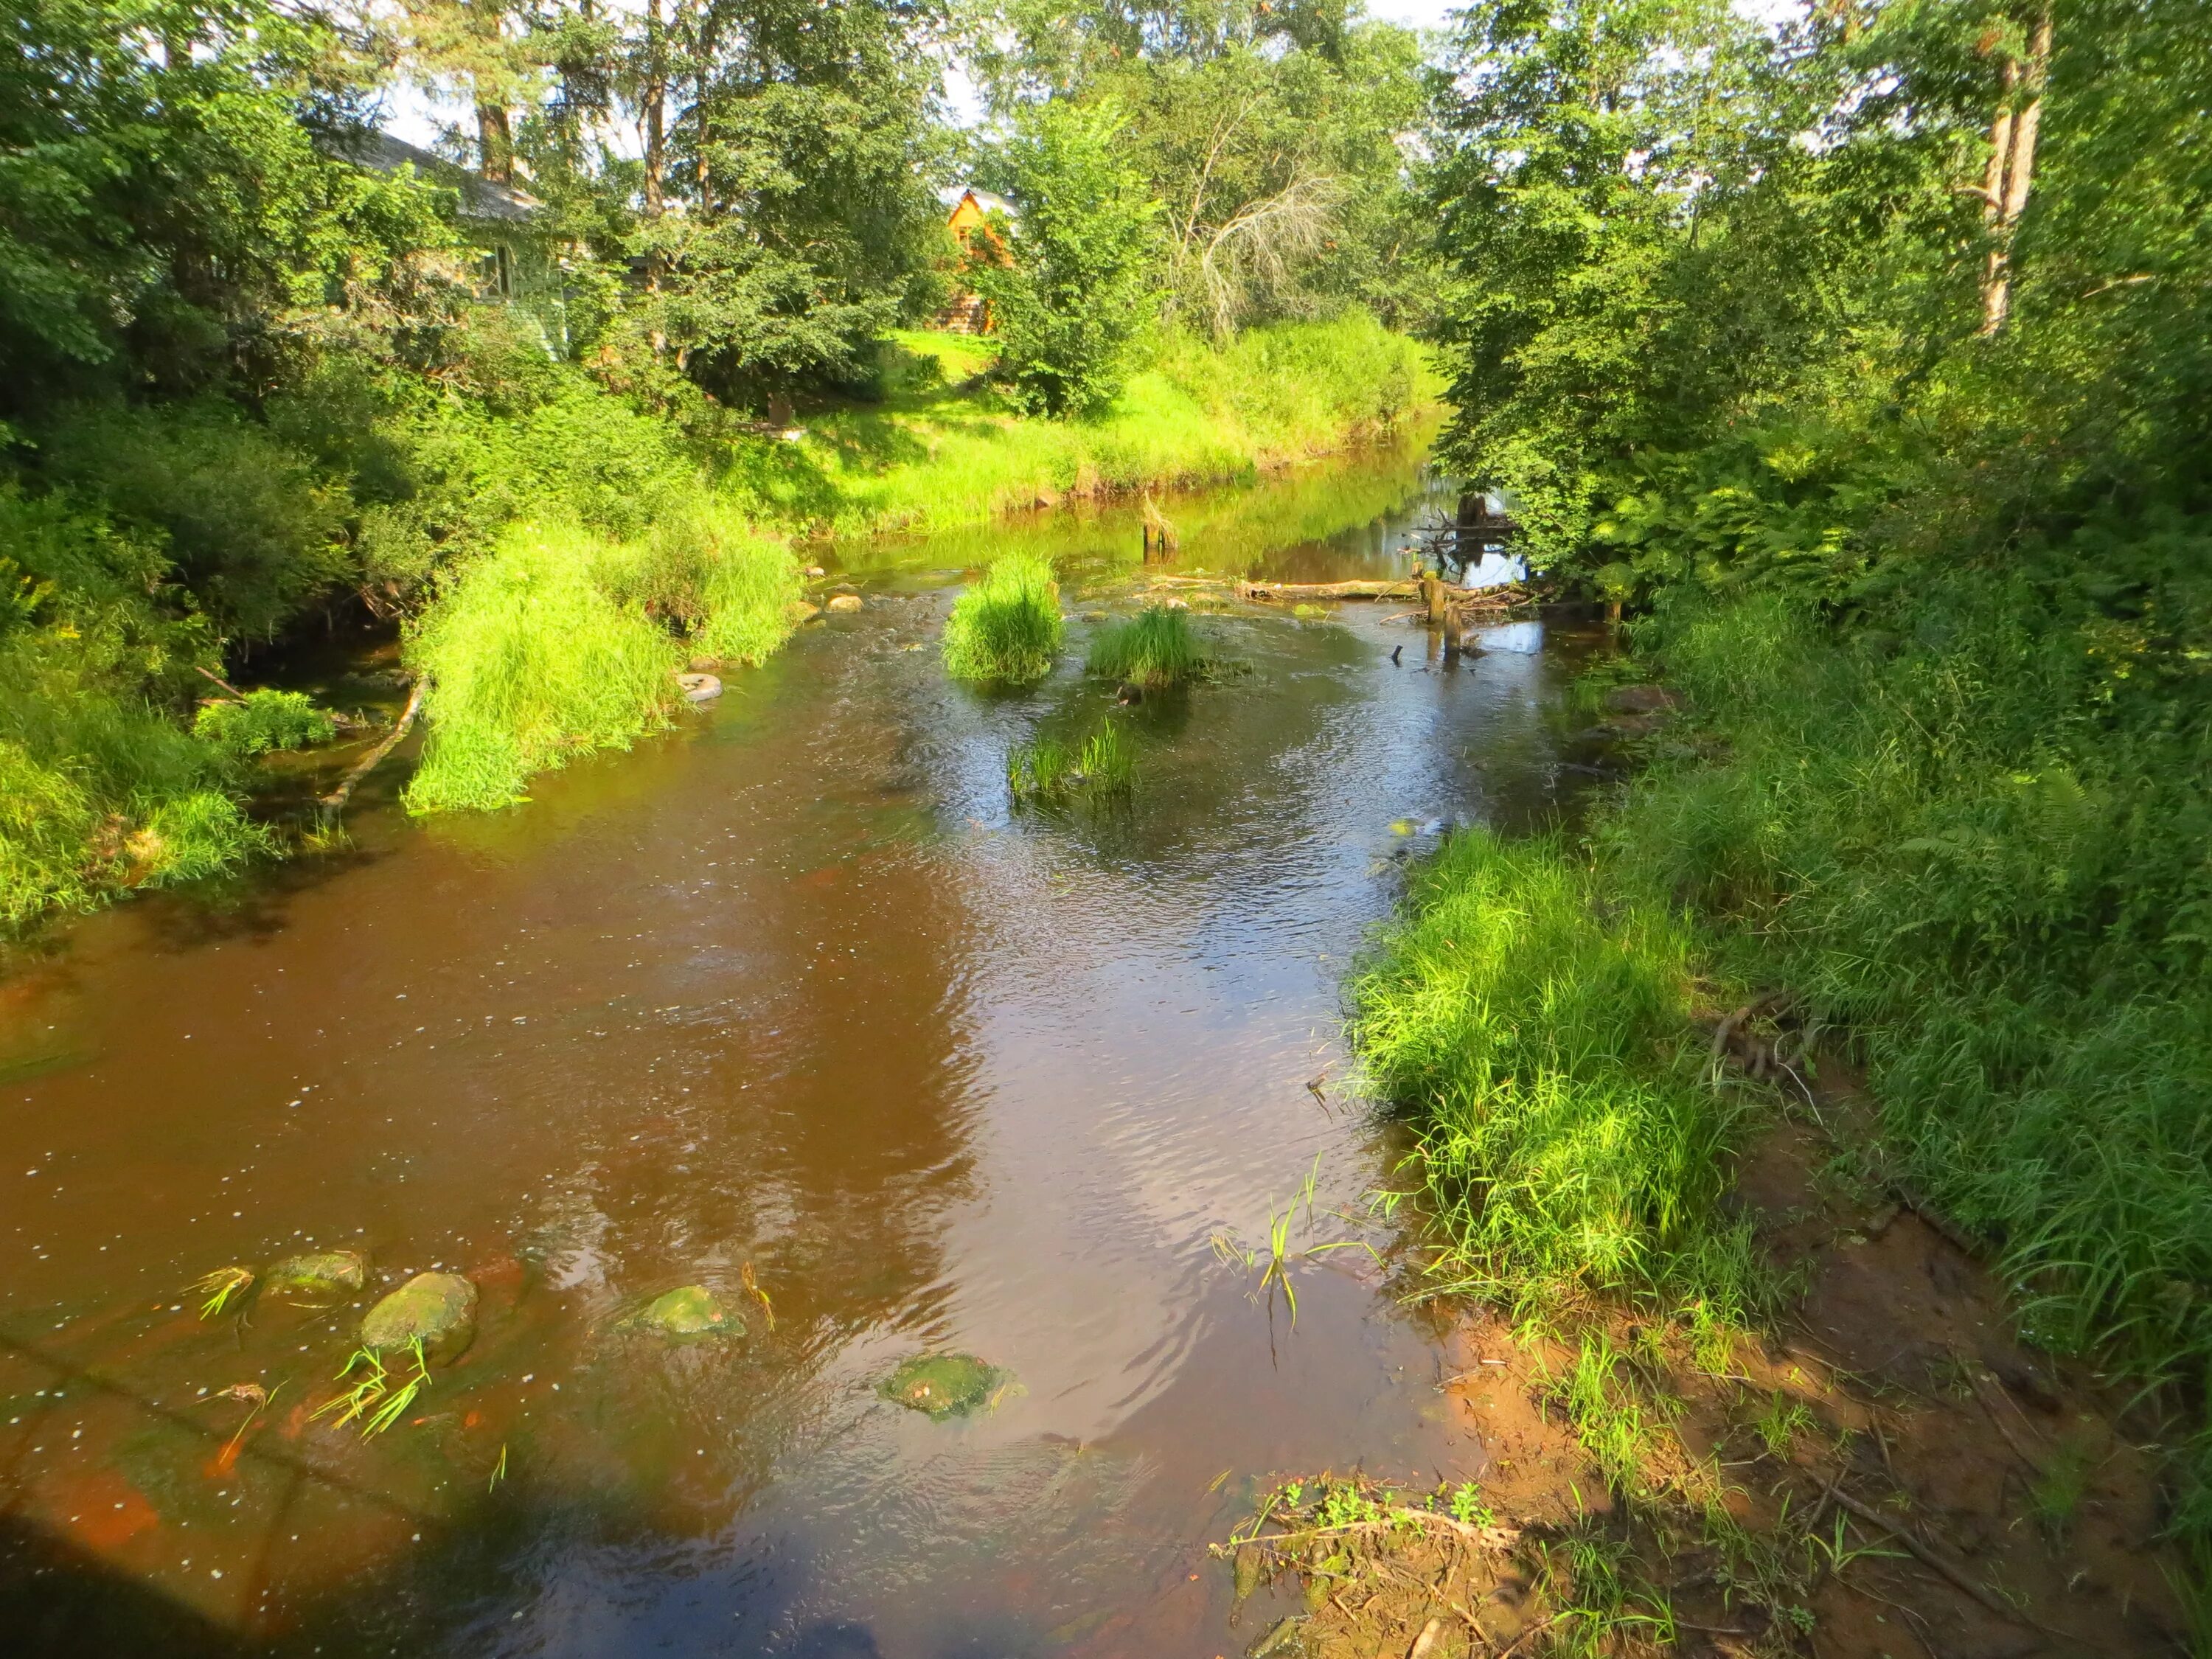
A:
[(945, 1385)]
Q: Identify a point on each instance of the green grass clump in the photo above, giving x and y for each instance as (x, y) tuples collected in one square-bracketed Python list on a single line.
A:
[(1155, 649), (1105, 765), (1535, 1046), (531, 662), (267, 720), (1008, 627)]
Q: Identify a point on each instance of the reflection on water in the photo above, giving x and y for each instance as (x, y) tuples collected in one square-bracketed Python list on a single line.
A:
[(797, 994)]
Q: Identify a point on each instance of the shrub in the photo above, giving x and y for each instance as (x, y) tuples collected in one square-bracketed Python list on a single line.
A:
[(1007, 627), (1155, 649), (267, 720)]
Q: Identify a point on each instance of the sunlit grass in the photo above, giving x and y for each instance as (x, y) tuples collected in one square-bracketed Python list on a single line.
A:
[(1156, 649), (1104, 765), (1007, 627), (1536, 1042)]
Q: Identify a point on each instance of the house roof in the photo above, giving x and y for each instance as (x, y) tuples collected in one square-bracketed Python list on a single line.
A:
[(480, 199), (951, 196)]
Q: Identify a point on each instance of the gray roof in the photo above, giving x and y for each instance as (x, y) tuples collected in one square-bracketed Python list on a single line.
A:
[(950, 194), (480, 199)]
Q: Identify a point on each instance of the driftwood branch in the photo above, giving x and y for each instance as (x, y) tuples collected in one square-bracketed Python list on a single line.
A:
[(334, 803), (1953, 1574), (219, 680)]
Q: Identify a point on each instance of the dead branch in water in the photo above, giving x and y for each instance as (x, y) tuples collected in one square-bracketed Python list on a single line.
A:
[(334, 803)]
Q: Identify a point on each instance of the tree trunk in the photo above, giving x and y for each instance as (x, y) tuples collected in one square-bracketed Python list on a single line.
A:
[(653, 95), (2011, 170), (495, 143)]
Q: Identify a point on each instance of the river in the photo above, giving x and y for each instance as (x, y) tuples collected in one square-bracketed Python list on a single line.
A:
[(796, 990)]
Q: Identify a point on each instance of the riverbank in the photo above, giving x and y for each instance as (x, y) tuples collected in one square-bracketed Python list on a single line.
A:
[(553, 551), (1925, 858)]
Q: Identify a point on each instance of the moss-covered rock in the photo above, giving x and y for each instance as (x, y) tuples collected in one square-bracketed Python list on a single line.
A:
[(318, 1273), (439, 1310), (692, 1310), (945, 1385)]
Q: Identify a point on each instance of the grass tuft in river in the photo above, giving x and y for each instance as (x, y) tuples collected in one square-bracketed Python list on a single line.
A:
[(1046, 770), (1007, 628), (1156, 649), (376, 1399)]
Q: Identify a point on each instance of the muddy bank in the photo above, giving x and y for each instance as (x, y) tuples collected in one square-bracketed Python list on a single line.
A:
[(1890, 1472)]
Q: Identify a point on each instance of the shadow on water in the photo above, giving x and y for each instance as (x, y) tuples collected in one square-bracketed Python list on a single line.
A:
[(795, 998)]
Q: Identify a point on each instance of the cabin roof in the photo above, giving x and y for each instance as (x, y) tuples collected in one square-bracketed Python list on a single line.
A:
[(480, 199), (951, 196)]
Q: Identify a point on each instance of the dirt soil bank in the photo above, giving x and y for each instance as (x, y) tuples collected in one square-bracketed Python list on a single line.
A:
[(1892, 1474)]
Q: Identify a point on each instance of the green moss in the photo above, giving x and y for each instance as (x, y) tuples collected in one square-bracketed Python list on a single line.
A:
[(945, 1385)]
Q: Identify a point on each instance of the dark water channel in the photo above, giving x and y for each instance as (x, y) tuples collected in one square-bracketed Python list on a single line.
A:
[(796, 989)]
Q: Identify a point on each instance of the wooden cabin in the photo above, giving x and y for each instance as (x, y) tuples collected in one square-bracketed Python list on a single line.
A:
[(967, 311)]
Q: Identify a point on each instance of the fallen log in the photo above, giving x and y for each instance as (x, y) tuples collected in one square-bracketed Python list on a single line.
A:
[(334, 803)]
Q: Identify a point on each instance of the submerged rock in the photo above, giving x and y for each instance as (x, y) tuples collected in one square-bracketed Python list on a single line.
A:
[(439, 1310), (318, 1272), (799, 611), (945, 1385), (692, 1310)]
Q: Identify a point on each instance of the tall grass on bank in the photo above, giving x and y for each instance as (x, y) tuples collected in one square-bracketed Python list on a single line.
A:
[(546, 650), (1008, 627), (945, 455), (1156, 649), (1979, 847), (1536, 1046)]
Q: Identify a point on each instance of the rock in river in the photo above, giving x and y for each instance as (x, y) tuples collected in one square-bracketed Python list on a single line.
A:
[(318, 1273), (846, 602), (437, 1309), (945, 1384), (693, 1310)]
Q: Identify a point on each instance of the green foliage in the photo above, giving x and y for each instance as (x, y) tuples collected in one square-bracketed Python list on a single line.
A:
[(1270, 137), (532, 663), (267, 720), (1203, 413), (1156, 649), (1535, 1046), (1007, 627), (1914, 501), (1077, 288), (1993, 875)]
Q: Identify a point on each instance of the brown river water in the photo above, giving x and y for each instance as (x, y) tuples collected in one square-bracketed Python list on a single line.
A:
[(796, 989)]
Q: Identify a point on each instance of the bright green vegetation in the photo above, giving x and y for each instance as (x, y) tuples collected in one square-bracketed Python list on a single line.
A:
[(1192, 411), (1540, 1048), (263, 721), (1007, 627), (549, 647), (1104, 766), (1892, 444), (1156, 649)]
